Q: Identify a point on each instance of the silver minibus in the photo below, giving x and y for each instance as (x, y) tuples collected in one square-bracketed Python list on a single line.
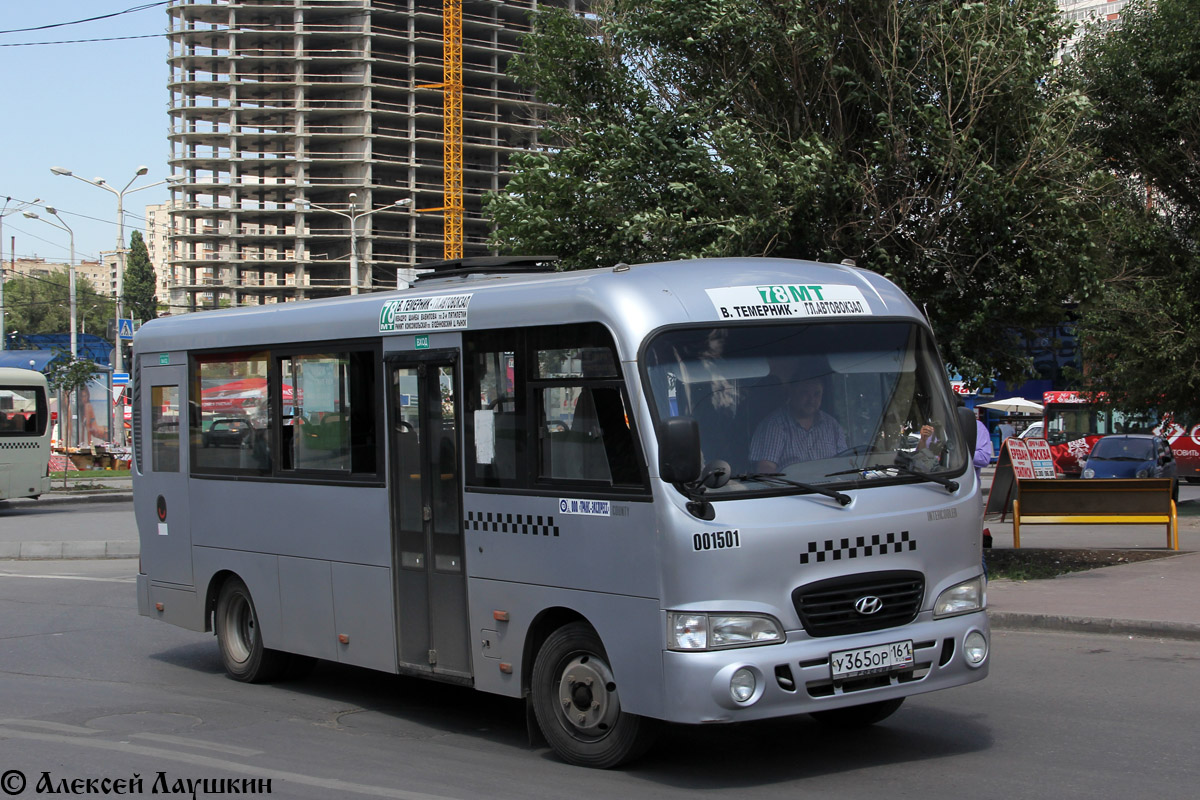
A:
[(707, 491)]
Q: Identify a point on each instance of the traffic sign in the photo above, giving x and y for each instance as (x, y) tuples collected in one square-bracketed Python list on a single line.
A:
[(120, 378), (125, 328)]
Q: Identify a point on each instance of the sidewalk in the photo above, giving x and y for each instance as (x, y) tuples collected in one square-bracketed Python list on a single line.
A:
[(1155, 598)]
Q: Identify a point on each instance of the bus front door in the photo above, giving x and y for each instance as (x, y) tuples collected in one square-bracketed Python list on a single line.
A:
[(427, 531)]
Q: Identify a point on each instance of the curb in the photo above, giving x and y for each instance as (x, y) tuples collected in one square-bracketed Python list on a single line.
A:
[(119, 496), (62, 551), (1013, 621)]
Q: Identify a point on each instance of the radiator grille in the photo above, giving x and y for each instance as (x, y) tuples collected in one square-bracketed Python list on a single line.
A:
[(826, 608)]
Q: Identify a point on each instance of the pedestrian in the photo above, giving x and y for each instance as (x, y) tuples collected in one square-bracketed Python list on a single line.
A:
[(1006, 431), (983, 457)]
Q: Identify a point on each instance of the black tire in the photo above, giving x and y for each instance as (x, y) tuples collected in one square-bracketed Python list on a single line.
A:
[(240, 640), (853, 717), (576, 704)]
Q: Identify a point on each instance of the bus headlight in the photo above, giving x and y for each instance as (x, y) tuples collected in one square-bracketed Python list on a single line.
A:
[(975, 649), (1089, 473), (962, 598), (716, 631)]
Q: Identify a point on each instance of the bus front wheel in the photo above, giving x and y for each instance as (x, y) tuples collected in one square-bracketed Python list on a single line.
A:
[(240, 638), (576, 703)]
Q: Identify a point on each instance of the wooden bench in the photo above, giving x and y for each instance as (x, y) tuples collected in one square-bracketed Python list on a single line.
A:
[(1101, 501)]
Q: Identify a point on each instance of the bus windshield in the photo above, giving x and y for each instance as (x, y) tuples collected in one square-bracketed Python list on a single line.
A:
[(823, 404)]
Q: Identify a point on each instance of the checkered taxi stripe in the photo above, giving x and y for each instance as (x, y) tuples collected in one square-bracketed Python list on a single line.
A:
[(860, 547), (528, 524), (32, 445)]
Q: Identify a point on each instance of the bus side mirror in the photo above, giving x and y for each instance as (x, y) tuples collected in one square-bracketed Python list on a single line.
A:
[(970, 431), (679, 451)]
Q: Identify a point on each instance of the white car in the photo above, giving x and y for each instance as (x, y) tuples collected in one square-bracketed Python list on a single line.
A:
[(1034, 431)]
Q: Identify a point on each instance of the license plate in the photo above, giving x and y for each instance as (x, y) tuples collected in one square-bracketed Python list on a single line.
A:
[(871, 660)]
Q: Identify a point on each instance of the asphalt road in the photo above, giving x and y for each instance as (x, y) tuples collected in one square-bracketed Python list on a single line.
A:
[(36, 521), (91, 690)]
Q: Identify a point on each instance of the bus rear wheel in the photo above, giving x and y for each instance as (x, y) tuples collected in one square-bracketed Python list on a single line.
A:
[(576, 703), (240, 639)]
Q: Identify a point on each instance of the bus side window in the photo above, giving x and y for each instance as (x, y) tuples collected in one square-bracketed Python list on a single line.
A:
[(586, 433), (164, 428), (230, 431), (495, 414)]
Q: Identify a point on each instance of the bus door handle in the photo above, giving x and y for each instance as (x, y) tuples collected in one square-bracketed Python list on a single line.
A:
[(426, 513)]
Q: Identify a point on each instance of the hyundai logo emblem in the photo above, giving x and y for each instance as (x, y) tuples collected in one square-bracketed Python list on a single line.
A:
[(868, 605)]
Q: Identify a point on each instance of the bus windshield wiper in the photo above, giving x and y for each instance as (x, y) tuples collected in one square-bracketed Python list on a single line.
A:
[(951, 485), (777, 477)]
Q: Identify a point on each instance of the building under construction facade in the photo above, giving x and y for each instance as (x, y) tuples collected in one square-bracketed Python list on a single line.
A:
[(292, 120)]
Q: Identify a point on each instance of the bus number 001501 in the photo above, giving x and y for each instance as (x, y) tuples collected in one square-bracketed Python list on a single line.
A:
[(716, 540)]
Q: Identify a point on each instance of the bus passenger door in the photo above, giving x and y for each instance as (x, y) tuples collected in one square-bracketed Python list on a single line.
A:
[(427, 531), (162, 475)]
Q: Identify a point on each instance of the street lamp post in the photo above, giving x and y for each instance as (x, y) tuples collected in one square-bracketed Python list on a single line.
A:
[(353, 215), (120, 287), (63, 226), (4, 212)]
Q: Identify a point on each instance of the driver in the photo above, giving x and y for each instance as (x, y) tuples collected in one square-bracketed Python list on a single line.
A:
[(797, 431)]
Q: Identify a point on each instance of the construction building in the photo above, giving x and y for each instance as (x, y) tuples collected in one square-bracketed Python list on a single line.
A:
[(293, 119)]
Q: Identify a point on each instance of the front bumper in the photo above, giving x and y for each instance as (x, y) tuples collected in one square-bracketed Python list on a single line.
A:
[(794, 677)]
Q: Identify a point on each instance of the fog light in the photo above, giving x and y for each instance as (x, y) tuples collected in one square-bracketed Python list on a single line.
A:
[(975, 649), (742, 685)]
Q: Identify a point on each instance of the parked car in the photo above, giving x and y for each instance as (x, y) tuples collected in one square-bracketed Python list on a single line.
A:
[(1132, 455), (1034, 431), (231, 432)]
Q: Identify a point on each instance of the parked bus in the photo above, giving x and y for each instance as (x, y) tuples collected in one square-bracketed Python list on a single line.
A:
[(1074, 421), (696, 492), (24, 433)]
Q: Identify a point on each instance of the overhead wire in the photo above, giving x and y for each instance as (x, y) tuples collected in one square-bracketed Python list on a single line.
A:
[(89, 19)]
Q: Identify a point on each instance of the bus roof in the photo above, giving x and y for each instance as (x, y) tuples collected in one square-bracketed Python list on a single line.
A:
[(15, 376), (630, 300)]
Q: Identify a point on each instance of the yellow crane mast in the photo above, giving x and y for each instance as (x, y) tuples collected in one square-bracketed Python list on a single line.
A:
[(452, 134)]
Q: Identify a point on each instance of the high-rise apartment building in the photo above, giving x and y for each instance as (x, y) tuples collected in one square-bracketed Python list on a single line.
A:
[(338, 103), (1083, 14)]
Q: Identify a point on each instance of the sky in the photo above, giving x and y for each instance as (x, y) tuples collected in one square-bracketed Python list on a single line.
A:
[(97, 108)]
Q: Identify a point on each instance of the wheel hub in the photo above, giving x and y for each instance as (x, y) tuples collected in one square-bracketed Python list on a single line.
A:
[(587, 697)]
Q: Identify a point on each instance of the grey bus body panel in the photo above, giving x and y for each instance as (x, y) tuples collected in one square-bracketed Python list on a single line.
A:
[(319, 560)]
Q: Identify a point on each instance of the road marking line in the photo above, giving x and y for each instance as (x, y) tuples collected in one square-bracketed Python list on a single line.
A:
[(220, 748), (61, 727), (67, 578)]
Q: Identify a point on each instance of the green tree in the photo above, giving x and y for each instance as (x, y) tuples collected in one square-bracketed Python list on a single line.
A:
[(67, 376), (928, 141), (34, 305), (1140, 335), (140, 281)]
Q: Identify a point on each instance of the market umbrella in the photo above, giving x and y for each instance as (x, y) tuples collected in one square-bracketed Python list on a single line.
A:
[(1018, 405)]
